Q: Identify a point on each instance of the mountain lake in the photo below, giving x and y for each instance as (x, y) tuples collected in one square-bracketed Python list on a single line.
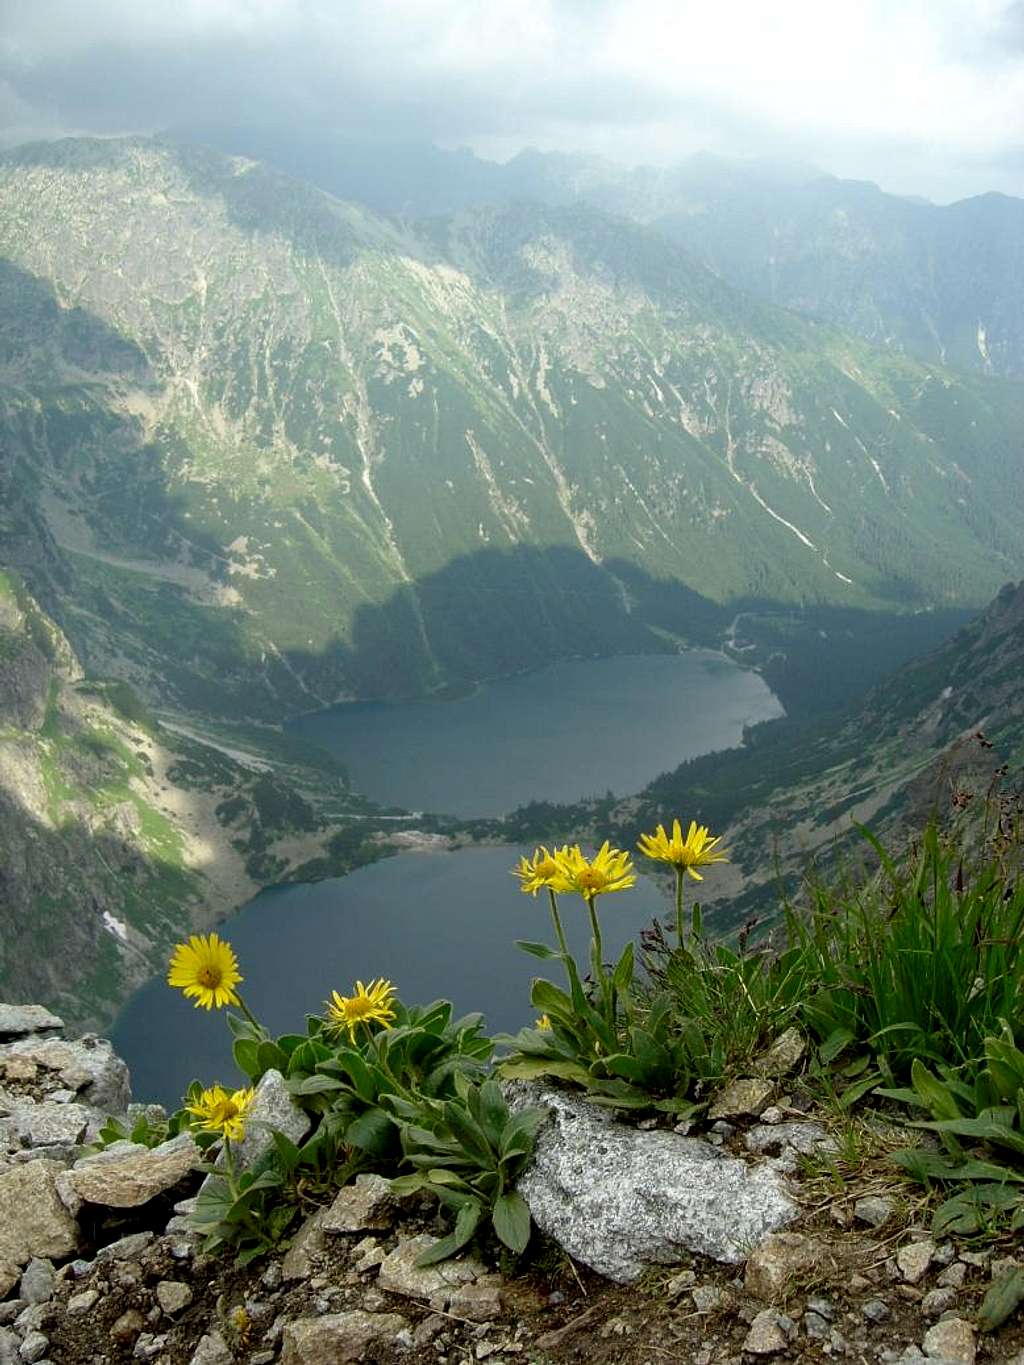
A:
[(440, 923)]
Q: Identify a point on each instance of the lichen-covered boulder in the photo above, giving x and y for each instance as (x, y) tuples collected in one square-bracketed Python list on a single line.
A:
[(620, 1199)]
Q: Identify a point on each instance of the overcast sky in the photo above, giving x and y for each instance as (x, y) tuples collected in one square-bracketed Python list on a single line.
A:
[(923, 96)]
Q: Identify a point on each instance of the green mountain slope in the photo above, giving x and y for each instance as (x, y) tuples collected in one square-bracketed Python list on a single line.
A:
[(945, 283), (258, 444)]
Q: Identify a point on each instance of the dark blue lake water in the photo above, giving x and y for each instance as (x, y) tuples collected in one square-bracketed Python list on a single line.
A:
[(444, 924), (572, 730)]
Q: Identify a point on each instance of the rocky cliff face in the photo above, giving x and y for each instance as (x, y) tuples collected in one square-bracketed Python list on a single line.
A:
[(116, 835)]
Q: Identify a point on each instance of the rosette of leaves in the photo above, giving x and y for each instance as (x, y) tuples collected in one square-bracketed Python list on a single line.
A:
[(980, 1125), (633, 1059), (469, 1152)]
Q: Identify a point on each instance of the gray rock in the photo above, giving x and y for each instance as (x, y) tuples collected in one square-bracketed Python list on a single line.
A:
[(777, 1262), (619, 1200), (816, 1327), (766, 1337), (873, 1209), (126, 1174), (125, 1248), (708, 1298), (103, 1075), (48, 1125), (33, 1347), (953, 1276), (804, 1138), (742, 1099), (366, 1206), (272, 1109), (307, 1243), (37, 1282), (938, 1301), (876, 1311), (81, 1303), (338, 1338), (173, 1296), (212, 1350), (399, 1273), (677, 1285), (953, 1340), (477, 1302), (8, 1347), (17, 1020), (914, 1259), (35, 1317), (33, 1221), (784, 1054)]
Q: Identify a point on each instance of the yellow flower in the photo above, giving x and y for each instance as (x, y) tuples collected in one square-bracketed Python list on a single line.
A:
[(537, 872), (696, 850), (543, 1023), (369, 1005), (610, 869), (216, 1111), (206, 968)]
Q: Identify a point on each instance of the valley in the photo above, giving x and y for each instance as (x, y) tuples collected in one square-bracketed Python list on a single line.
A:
[(264, 452)]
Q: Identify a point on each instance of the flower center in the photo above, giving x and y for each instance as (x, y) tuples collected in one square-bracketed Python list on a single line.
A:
[(359, 1007), (547, 867), (209, 976), (592, 879)]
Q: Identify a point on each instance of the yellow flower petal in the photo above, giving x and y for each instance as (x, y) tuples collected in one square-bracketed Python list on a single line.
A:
[(367, 1005), (205, 969), (696, 850)]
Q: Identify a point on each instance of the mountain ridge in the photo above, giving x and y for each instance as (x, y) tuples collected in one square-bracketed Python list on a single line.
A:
[(281, 417)]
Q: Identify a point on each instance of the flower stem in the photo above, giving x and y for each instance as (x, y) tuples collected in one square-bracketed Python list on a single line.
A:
[(250, 1016), (679, 905), (595, 928), (556, 920)]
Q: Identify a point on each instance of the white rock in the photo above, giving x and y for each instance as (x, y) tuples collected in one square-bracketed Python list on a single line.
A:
[(766, 1337), (620, 1200), (338, 1338), (399, 1273), (953, 1340), (33, 1221), (125, 1175), (914, 1259)]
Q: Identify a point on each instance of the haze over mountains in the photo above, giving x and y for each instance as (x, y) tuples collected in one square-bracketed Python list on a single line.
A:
[(945, 283)]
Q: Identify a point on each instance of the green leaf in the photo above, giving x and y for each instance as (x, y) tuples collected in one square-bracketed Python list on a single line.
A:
[(834, 1044), (511, 1218), (316, 1085), (246, 1054), (529, 1068), (934, 1094), (622, 976), (373, 1131), (1004, 1298), (550, 1000), (270, 1057), (540, 950), (287, 1152)]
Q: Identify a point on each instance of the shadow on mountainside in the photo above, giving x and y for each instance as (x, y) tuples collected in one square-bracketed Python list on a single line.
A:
[(136, 582), (120, 577)]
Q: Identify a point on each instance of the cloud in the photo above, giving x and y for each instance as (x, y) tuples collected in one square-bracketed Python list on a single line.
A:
[(924, 95)]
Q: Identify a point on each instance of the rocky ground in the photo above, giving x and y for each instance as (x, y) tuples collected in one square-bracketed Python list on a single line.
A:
[(765, 1236)]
